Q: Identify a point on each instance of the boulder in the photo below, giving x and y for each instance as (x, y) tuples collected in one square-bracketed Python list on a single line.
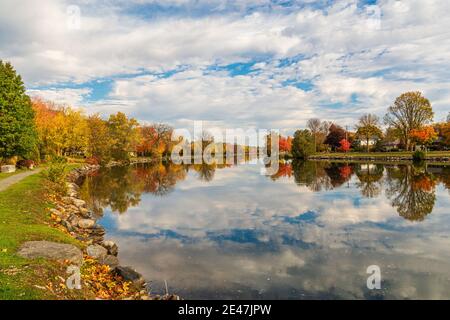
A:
[(51, 250), (8, 168), (129, 274), (85, 213), (97, 252), (112, 248), (66, 224), (78, 202), (73, 186), (110, 260), (86, 223)]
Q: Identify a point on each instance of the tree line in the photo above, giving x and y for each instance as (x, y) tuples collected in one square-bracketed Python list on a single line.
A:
[(409, 123), (38, 130), (64, 131)]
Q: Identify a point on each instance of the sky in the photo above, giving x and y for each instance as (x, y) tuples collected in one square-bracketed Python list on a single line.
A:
[(232, 63)]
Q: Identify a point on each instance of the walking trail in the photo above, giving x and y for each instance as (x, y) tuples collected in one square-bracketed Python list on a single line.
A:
[(7, 182)]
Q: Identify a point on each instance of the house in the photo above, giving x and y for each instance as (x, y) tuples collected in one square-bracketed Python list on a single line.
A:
[(391, 145), (363, 142)]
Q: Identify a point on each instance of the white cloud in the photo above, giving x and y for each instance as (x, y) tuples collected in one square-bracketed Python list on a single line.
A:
[(345, 50)]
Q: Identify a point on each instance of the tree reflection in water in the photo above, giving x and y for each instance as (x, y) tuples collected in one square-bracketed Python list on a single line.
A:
[(121, 187), (410, 189), (370, 176)]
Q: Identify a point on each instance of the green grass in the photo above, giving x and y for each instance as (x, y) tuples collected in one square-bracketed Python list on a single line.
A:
[(23, 217)]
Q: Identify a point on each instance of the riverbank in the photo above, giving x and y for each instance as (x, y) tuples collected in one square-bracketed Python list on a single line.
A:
[(73, 214), (37, 247), (432, 156), (24, 217)]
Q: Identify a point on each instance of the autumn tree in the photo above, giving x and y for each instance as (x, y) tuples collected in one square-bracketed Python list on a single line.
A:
[(99, 140), (410, 111), (163, 138), (344, 145), (319, 130), (124, 135), (335, 136), (424, 136), (368, 128), (443, 130), (302, 144), (48, 122), (61, 130), (17, 130), (76, 132), (314, 126), (285, 144)]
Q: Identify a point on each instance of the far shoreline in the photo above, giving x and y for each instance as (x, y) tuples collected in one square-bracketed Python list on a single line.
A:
[(431, 156)]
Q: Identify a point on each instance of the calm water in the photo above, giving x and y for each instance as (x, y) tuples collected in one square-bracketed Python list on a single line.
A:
[(309, 232)]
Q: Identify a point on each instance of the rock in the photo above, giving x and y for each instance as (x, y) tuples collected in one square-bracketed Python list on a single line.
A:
[(51, 250), (78, 202), (97, 231), (96, 251), (8, 168), (85, 213), (66, 224), (112, 248), (72, 209), (110, 260), (86, 223), (66, 200), (129, 274), (72, 193), (73, 186), (55, 212)]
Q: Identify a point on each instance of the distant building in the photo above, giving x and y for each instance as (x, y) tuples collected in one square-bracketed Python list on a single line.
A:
[(391, 145), (363, 142)]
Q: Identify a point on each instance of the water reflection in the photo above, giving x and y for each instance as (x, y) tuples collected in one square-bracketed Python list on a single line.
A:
[(412, 191), (308, 231)]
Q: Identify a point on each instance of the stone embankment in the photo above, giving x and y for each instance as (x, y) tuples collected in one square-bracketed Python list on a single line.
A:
[(80, 221)]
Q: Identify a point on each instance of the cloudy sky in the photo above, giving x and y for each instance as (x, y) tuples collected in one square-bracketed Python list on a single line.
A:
[(233, 63)]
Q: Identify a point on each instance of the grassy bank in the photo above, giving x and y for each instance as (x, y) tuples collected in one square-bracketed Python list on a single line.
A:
[(24, 217)]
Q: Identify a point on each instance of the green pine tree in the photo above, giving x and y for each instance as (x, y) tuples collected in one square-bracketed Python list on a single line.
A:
[(17, 131)]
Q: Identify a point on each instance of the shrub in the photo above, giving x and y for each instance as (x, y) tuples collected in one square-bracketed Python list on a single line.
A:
[(418, 156), (56, 175), (29, 164)]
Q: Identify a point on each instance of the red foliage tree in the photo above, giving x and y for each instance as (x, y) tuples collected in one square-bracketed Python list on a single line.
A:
[(285, 144), (344, 145)]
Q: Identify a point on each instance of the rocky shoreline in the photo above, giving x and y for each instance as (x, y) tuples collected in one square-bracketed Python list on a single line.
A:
[(73, 214)]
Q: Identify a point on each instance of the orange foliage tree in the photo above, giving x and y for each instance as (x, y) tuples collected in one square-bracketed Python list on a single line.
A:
[(424, 136), (285, 144)]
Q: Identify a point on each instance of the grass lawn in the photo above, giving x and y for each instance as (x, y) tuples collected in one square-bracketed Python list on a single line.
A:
[(23, 217)]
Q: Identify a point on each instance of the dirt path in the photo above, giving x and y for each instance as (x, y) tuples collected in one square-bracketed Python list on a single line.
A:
[(7, 182)]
